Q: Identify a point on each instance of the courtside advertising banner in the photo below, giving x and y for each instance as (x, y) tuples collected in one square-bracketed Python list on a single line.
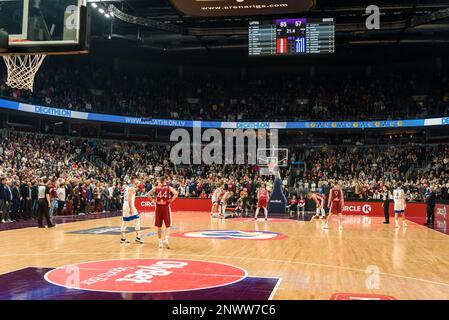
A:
[(442, 217), (375, 209), (145, 205), (213, 8), (362, 208)]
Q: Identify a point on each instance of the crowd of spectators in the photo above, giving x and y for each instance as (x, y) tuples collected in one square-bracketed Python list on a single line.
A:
[(277, 97), (363, 172), (87, 176)]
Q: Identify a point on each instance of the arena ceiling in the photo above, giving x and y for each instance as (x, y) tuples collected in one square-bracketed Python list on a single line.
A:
[(166, 29)]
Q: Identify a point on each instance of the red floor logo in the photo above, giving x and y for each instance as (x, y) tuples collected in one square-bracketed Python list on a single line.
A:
[(360, 296), (260, 220), (145, 275)]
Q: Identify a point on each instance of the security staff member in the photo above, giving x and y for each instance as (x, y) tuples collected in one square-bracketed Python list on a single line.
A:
[(430, 201), (43, 203), (2, 196), (386, 204)]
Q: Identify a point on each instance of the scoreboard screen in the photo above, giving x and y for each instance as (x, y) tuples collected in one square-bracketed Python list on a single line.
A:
[(291, 37)]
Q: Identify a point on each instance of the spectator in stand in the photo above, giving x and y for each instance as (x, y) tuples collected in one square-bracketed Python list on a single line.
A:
[(15, 206), (105, 197), (8, 202), (2, 197), (34, 198), (25, 200), (61, 197), (53, 199)]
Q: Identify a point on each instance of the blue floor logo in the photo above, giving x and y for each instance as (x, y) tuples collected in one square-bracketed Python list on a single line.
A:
[(104, 231)]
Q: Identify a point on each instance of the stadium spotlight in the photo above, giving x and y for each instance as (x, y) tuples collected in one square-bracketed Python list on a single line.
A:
[(101, 10), (107, 15), (94, 5)]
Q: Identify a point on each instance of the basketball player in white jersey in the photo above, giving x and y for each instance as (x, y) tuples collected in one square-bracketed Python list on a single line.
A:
[(216, 201), (226, 194), (399, 205), (319, 200), (129, 210)]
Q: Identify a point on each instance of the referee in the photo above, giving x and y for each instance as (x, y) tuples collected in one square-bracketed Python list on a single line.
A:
[(431, 198), (43, 203), (386, 204)]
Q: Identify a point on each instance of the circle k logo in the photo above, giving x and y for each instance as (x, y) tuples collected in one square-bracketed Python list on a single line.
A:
[(145, 275), (441, 211), (231, 235), (148, 204), (366, 209)]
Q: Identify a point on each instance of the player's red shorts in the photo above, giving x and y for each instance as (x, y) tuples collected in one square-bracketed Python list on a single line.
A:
[(163, 215), (336, 207), (262, 203)]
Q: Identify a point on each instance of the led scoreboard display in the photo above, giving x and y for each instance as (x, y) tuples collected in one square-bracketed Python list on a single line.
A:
[(291, 37)]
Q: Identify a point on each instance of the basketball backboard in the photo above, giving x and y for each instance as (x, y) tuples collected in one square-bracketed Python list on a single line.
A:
[(45, 26), (271, 160)]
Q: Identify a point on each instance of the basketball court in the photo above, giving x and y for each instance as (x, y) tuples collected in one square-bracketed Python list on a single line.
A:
[(210, 258), (279, 259)]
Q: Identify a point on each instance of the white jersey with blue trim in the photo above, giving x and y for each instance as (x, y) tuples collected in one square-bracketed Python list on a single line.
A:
[(399, 199), (129, 211)]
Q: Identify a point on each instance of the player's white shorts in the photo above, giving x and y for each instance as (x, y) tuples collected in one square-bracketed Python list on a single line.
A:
[(399, 207), (130, 214), (321, 201)]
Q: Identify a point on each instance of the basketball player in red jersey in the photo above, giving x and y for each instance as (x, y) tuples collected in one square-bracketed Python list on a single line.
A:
[(335, 203), (319, 202), (164, 195), (262, 201), (293, 206)]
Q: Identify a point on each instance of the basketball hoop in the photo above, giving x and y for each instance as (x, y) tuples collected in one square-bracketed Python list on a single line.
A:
[(22, 69)]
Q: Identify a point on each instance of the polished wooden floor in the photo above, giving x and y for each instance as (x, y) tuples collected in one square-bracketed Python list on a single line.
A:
[(366, 257)]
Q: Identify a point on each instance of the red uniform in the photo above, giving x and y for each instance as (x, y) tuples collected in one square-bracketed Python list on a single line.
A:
[(262, 198), (163, 211), (336, 200)]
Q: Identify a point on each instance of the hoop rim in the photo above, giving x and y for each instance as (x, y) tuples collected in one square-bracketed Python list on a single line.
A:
[(47, 53)]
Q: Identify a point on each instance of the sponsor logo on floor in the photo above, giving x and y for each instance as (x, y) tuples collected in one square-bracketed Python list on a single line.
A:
[(261, 220), (145, 275), (104, 230), (360, 296), (231, 235), (33, 286)]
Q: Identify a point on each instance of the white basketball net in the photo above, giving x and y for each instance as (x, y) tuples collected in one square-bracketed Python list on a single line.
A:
[(22, 70)]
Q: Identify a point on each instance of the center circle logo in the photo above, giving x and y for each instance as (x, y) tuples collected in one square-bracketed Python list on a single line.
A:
[(145, 275), (260, 220), (231, 234), (366, 208)]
